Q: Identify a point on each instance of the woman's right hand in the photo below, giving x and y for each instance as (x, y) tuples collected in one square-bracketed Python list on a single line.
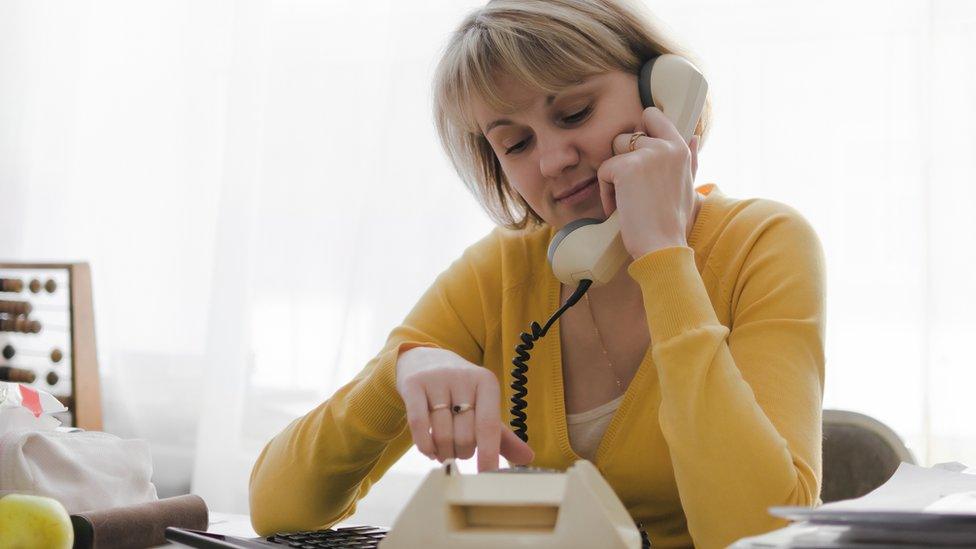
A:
[(427, 377)]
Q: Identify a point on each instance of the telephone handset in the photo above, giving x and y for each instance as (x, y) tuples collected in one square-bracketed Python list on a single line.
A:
[(590, 249)]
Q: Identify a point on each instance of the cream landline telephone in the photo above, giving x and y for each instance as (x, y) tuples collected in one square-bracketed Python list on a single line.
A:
[(539, 508)]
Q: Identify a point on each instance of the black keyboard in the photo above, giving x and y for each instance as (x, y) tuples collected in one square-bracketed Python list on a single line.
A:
[(352, 537)]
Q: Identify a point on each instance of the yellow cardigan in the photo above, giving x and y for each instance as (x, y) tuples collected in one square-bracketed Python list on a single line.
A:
[(721, 421)]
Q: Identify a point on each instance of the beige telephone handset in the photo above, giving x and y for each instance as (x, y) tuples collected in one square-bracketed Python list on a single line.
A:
[(537, 508), (590, 249)]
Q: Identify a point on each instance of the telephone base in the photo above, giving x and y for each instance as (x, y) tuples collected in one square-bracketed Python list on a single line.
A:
[(518, 507)]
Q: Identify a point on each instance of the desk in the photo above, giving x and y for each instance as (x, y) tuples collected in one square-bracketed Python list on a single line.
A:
[(227, 523), (231, 525)]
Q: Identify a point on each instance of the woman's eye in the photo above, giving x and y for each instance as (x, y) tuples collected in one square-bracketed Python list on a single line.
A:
[(572, 119), (516, 147), (578, 116)]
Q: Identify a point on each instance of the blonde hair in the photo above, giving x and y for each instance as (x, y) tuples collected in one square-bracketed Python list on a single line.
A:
[(544, 45)]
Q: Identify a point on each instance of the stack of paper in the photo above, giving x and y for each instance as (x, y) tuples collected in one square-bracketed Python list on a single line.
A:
[(917, 507)]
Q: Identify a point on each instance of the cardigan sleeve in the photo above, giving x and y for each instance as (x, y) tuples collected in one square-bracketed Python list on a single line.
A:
[(312, 474), (741, 405)]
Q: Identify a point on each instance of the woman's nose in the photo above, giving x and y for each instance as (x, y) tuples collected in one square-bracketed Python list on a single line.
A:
[(557, 154)]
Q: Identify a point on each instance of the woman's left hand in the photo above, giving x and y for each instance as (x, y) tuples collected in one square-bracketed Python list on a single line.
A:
[(653, 186)]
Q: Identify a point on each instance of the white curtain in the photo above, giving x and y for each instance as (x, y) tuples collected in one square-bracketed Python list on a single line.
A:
[(259, 190)]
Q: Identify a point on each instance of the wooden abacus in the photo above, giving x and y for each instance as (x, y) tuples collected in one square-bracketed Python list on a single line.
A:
[(47, 336)]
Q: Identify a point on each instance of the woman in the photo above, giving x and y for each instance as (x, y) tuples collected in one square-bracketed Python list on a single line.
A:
[(693, 380)]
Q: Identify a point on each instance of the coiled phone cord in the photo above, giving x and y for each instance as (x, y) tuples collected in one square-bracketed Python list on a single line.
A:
[(520, 361), (522, 356)]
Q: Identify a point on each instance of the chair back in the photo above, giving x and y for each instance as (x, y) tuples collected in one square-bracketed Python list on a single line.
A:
[(859, 454)]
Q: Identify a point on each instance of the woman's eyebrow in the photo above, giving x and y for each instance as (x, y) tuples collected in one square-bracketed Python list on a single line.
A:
[(549, 101)]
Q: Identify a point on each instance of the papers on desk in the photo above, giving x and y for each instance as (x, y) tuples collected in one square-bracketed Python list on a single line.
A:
[(918, 507)]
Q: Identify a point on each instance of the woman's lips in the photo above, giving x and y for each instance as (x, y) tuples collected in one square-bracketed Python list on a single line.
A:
[(581, 195)]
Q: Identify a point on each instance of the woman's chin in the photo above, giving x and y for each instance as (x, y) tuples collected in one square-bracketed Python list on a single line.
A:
[(592, 211), (576, 214)]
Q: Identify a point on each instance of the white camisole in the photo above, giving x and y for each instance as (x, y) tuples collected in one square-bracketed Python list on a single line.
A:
[(586, 428)]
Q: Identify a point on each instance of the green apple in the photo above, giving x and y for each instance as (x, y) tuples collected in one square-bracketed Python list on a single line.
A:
[(34, 522)]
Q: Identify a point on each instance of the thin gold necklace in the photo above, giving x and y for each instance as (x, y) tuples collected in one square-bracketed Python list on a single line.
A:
[(620, 386)]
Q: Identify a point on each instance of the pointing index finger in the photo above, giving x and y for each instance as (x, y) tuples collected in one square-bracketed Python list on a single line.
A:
[(487, 423)]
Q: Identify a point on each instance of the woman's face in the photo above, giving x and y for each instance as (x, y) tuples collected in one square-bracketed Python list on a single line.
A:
[(551, 146)]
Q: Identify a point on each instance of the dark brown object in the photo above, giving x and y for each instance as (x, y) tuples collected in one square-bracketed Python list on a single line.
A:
[(19, 324), (11, 285), (9, 351), (137, 526), (50, 286), (52, 378), (56, 355), (16, 375), (15, 307), (35, 286)]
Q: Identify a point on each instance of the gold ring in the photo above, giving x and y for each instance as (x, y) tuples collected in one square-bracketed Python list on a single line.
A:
[(438, 407), (633, 140), (461, 408)]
